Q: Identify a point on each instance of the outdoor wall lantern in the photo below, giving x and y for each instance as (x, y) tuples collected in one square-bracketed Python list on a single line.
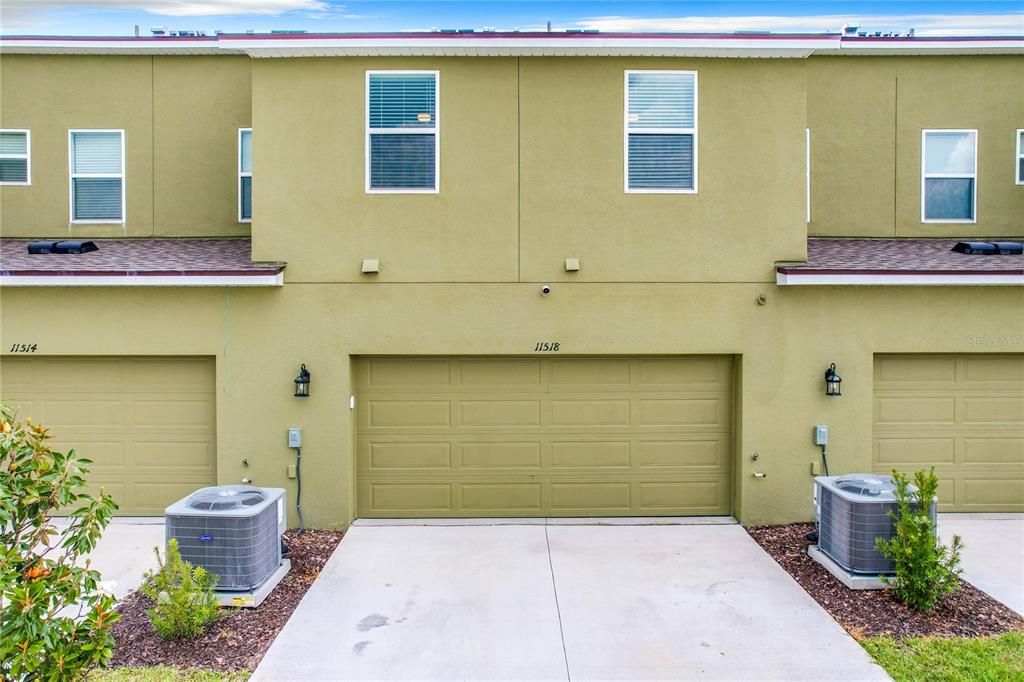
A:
[(302, 383), (832, 381)]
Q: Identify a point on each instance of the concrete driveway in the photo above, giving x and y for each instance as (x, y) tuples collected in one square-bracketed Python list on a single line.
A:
[(546, 602), (125, 551), (993, 557)]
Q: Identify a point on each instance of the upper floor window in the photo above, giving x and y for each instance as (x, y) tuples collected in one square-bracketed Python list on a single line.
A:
[(15, 157), (97, 176), (661, 131), (1019, 165), (245, 175), (402, 154), (949, 188)]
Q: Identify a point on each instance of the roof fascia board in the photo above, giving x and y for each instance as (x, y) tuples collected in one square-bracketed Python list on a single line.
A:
[(895, 279), (274, 280)]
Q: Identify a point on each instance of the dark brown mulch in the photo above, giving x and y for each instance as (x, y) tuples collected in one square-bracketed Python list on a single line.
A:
[(240, 637), (968, 612)]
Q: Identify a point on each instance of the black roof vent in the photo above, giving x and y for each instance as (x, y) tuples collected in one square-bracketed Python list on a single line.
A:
[(62, 247), (975, 248), (1009, 248)]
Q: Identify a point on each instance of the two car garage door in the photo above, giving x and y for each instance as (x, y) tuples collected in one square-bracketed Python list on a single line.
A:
[(533, 436), (148, 424)]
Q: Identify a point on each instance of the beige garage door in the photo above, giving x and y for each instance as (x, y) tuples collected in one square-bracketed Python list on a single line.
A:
[(964, 414), (148, 424), (543, 436)]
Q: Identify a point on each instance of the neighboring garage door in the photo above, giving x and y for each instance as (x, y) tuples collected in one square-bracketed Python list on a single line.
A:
[(964, 414), (506, 436), (148, 424)]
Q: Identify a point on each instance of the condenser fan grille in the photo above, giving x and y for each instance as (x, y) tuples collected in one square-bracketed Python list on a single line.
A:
[(226, 498)]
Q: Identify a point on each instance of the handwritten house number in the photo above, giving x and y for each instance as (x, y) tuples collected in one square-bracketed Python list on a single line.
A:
[(546, 347)]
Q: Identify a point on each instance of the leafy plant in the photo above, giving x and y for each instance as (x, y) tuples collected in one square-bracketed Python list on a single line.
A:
[(54, 618), (926, 570), (183, 595)]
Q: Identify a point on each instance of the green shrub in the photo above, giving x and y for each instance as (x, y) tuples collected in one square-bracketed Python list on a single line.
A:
[(926, 570), (184, 602), (54, 618)]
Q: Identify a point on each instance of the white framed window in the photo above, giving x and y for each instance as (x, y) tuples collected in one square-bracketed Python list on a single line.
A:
[(402, 132), (660, 132), (245, 175), (1018, 159), (15, 156), (96, 163), (949, 176)]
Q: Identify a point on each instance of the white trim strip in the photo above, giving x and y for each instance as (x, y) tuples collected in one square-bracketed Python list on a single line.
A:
[(482, 44), (142, 280), (910, 279)]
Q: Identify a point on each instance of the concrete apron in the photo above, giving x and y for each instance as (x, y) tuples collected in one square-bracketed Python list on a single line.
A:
[(540, 602), (993, 556)]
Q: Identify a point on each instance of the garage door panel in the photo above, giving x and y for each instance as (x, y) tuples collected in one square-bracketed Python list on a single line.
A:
[(916, 409), (503, 497), (491, 372), (897, 451), (409, 413), (546, 436), (501, 413), (588, 372), (977, 447), (993, 369), (600, 413), (993, 494), (591, 454), (103, 454), (500, 455), (148, 424), (978, 410), (994, 451), (684, 453), (174, 413), (683, 412), (915, 368), (407, 497), (402, 372)]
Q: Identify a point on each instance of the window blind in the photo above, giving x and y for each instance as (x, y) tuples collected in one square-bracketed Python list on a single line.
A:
[(244, 175), (661, 130), (13, 156), (402, 131), (97, 178)]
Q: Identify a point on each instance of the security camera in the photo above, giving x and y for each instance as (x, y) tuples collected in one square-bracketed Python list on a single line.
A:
[(545, 290)]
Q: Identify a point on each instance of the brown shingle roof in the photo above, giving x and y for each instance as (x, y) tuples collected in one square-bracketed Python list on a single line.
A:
[(186, 257), (899, 256)]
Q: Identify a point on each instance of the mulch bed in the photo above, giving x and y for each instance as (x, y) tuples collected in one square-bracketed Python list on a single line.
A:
[(968, 612), (240, 637)]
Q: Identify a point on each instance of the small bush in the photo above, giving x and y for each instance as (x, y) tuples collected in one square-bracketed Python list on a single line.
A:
[(183, 596), (926, 570), (54, 617)]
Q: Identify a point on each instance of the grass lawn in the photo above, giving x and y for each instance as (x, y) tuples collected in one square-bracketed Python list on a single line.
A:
[(163, 674), (930, 659)]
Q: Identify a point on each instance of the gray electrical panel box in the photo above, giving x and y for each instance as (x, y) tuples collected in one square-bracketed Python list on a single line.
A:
[(821, 434), (295, 438)]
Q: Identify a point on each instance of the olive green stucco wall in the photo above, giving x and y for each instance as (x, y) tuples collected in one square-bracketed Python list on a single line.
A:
[(180, 116), (866, 117), (258, 337), (531, 173)]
